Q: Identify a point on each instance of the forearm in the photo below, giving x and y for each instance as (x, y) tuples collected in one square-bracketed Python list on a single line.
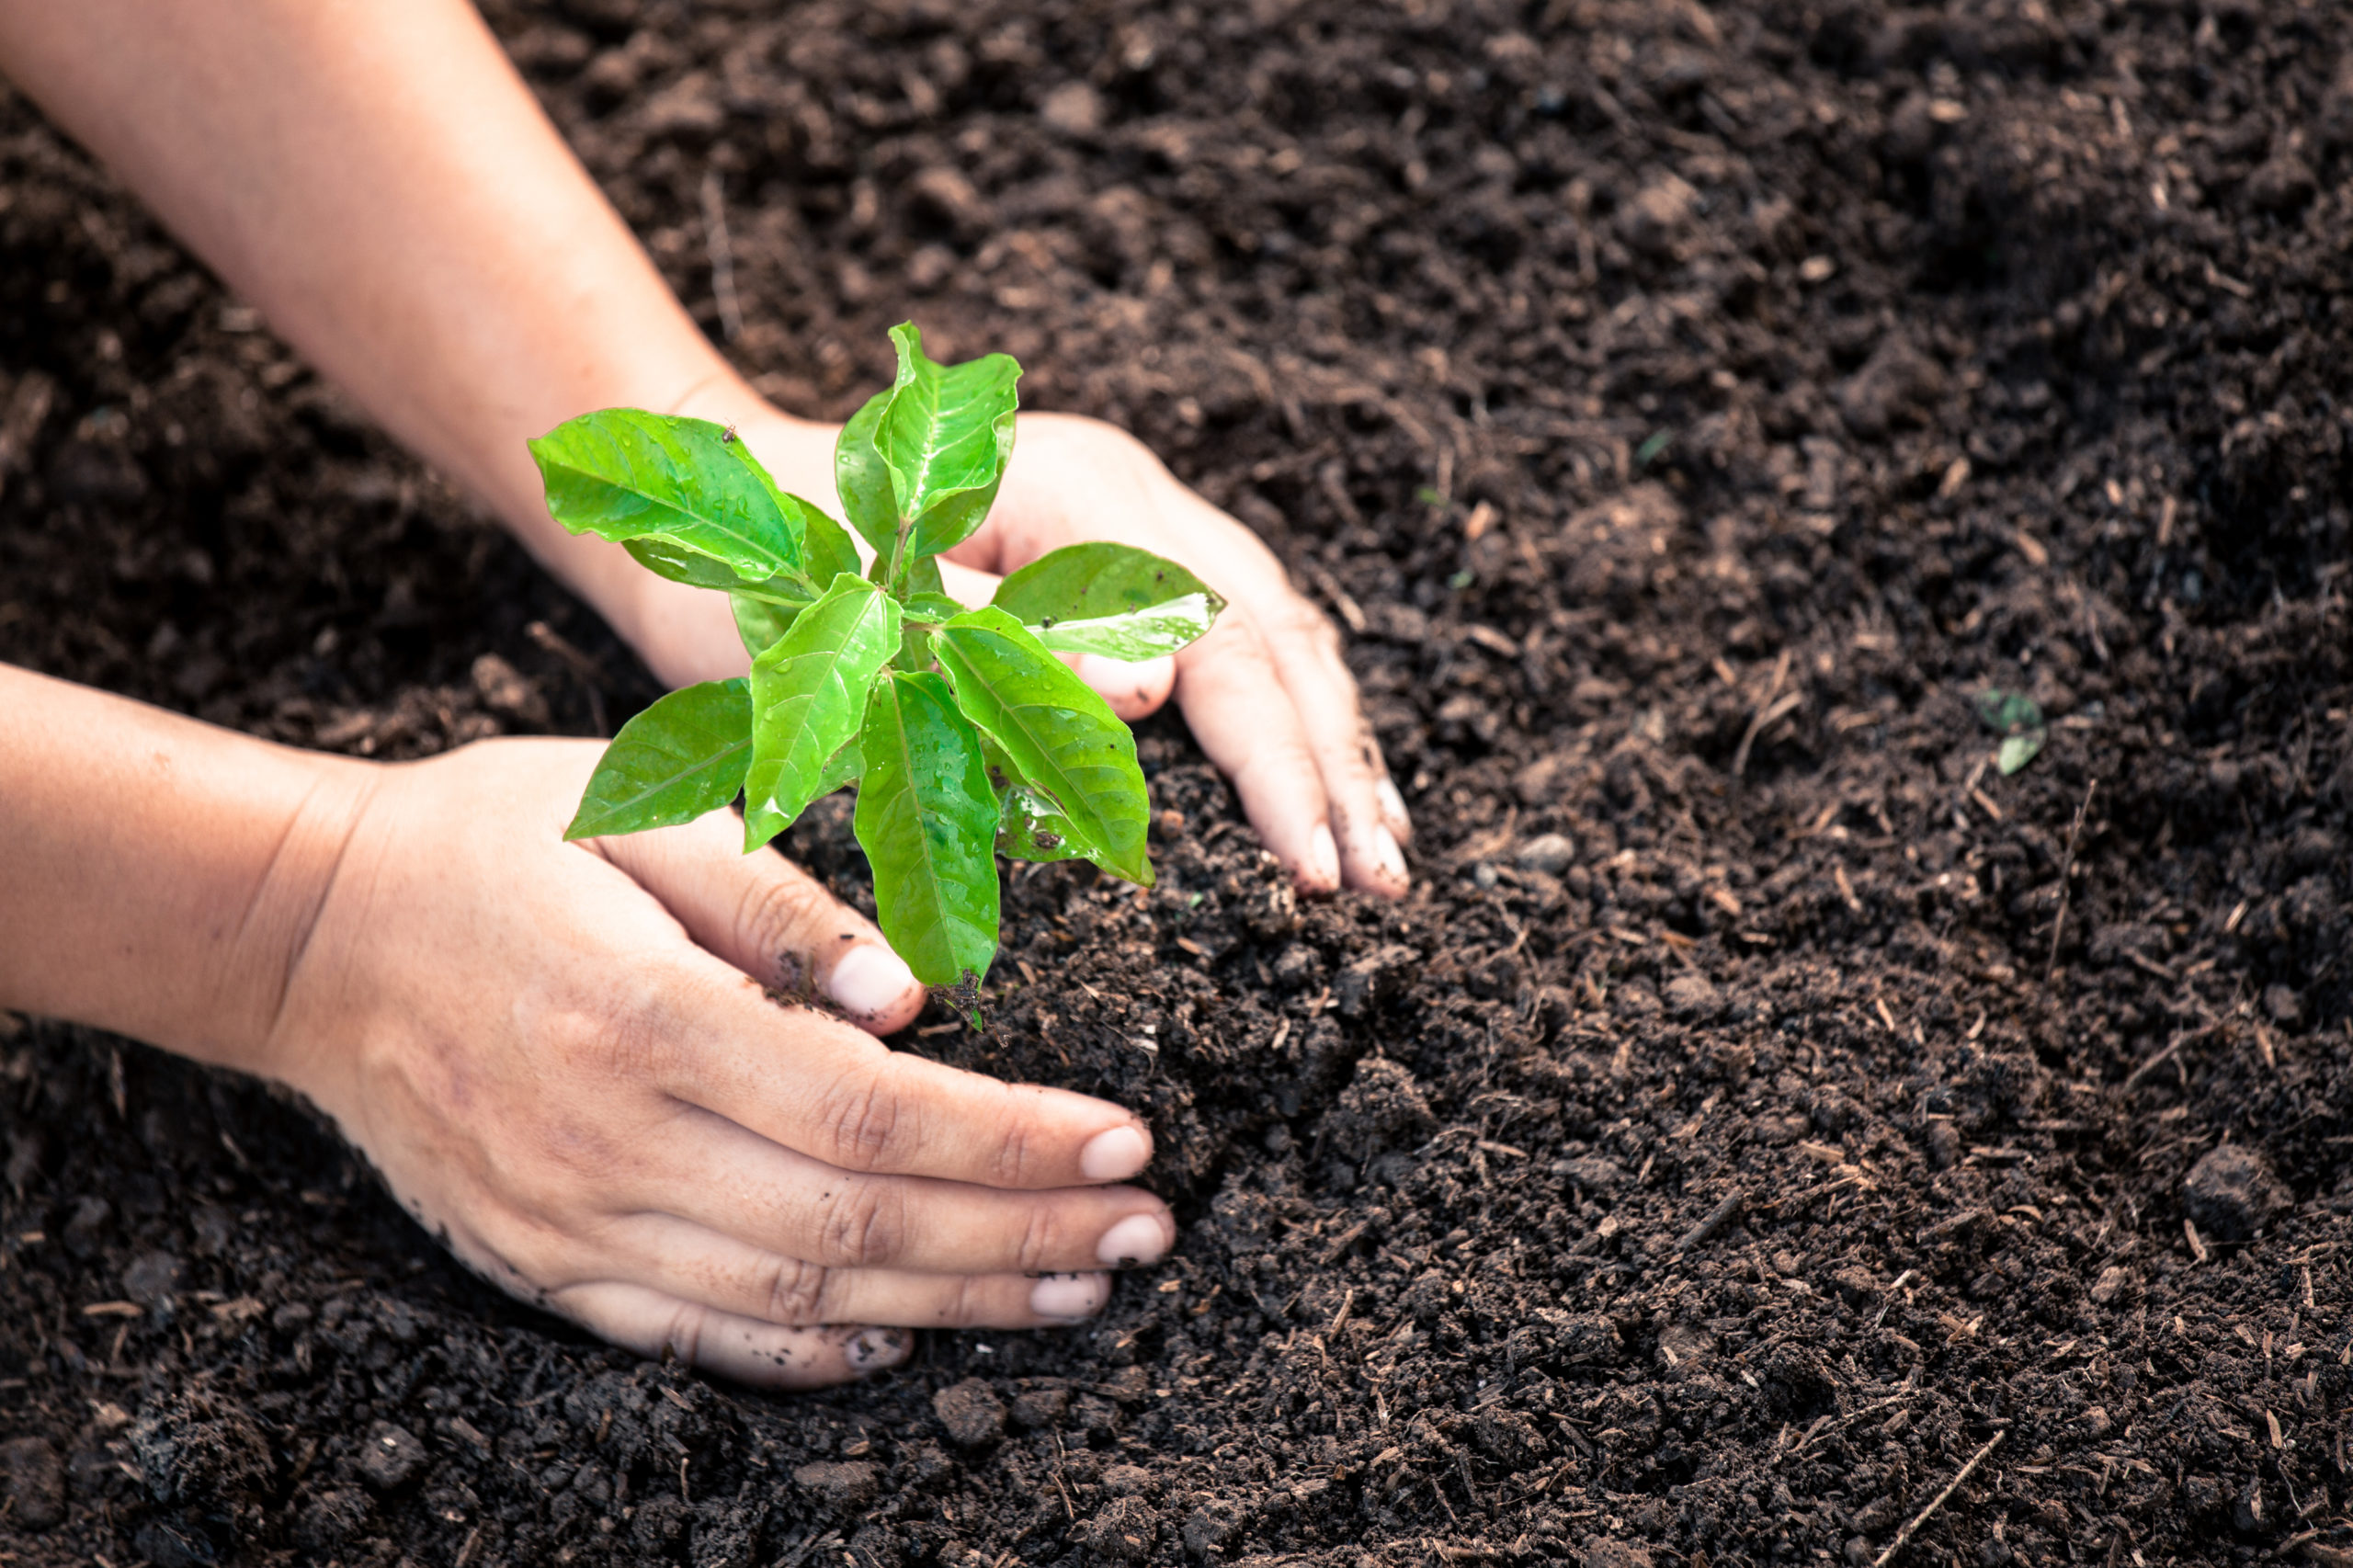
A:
[(157, 874), (374, 177)]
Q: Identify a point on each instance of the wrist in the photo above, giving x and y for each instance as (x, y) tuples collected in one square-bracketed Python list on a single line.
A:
[(162, 872)]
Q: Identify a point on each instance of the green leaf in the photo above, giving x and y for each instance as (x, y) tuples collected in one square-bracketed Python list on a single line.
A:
[(760, 623), (1062, 737), (2008, 712), (843, 767), (624, 475), (680, 758), (1031, 827), (1111, 599), (931, 609), (928, 820), (864, 479), (825, 543), (808, 695), (2018, 719), (1147, 634), (666, 557), (921, 579), (945, 435)]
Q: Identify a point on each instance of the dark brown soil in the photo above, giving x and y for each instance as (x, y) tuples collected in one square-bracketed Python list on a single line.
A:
[(1690, 413)]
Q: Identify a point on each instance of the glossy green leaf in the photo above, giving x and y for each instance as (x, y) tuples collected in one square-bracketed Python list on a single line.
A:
[(1111, 600), (825, 544), (808, 697), (931, 607), (1143, 635), (1031, 827), (759, 624), (921, 579), (680, 758), (665, 557), (864, 479), (928, 820), (946, 436), (842, 767), (624, 475), (1062, 737), (2017, 750)]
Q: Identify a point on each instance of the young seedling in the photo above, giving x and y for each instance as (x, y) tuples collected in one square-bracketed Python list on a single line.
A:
[(963, 732), (2018, 719)]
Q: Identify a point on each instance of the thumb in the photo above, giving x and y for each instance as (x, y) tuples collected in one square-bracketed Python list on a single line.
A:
[(1134, 691), (769, 919)]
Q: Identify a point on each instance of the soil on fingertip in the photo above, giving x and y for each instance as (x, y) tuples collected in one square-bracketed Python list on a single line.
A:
[(1762, 1102)]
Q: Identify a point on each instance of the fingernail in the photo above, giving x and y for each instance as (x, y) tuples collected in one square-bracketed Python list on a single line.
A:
[(1070, 1297), (1389, 857), (1116, 1154), (1139, 1238), (1323, 857), (870, 979), (1392, 806), (878, 1349)]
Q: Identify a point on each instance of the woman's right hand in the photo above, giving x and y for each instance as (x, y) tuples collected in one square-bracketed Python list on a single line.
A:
[(570, 1063)]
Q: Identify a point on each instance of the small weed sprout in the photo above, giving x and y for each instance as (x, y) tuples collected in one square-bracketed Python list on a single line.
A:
[(2019, 720), (965, 735)]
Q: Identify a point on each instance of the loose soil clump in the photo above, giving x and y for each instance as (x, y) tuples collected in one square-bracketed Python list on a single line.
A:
[(1762, 1100)]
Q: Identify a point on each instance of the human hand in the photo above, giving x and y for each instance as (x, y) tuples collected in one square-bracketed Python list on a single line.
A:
[(1266, 693), (561, 1059)]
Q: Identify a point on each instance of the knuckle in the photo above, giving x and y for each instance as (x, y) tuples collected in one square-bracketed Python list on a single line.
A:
[(1042, 1239), (796, 1292), (865, 1225), (1015, 1163), (1293, 620), (682, 1334), (530, 1256), (868, 1123), (633, 1033), (775, 911), (970, 1306)]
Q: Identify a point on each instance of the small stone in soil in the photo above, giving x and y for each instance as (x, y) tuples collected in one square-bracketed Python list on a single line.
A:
[(971, 1413), (1693, 997), (2231, 1192), (2115, 1284), (1124, 1530), (1594, 1172), (1943, 1141), (845, 1486), (392, 1459), (1041, 1407), (86, 1228), (32, 1478), (151, 1277), (1551, 853), (1128, 1480)]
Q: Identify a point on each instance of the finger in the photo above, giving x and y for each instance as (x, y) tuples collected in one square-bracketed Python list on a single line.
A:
[(686, 1261), (770, 919), (1133, 690), (812, 1083), (737, 1184), (767, 1355), (1392, 806), (1305, 648), (1234, 700), (967, 585)]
